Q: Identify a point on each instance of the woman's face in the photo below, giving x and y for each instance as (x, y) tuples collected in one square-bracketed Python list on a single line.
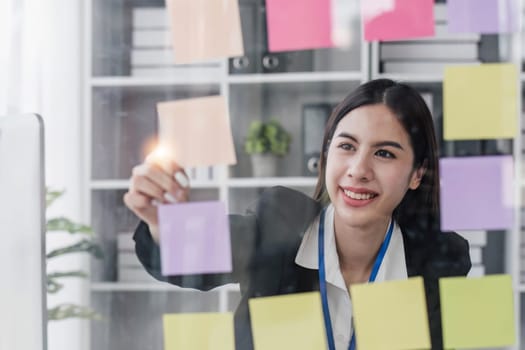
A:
[(369, 166)]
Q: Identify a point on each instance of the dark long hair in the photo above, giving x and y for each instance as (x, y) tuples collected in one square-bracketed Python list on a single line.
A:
[(420, 206)]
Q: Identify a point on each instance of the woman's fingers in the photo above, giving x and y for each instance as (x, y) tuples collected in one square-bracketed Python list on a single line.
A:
[(158, 180), (144, 182), (154, 182), (142, 207), (167, 173)]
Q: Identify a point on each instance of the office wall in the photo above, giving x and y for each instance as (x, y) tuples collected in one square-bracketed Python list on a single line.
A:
[(60, 95)]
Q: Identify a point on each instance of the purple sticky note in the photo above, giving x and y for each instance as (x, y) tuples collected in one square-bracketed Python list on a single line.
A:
[(476, 193), (298, 24), (194, 238), (397, 19), (482, 16)]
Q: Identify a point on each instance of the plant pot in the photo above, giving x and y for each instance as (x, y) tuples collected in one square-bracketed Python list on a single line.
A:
[(264, 165)]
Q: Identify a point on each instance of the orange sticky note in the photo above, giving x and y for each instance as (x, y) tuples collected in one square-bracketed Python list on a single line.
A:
[(203, 30), (196, 132)]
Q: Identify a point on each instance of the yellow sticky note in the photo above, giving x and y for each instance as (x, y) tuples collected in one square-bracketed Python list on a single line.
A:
[(205, 29), (480, 101), (477, 312), (196, 132), (199, 331), (292, 321), (391, 315)]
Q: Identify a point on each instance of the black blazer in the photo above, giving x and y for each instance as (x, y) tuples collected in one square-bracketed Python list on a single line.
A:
[(265, 242)]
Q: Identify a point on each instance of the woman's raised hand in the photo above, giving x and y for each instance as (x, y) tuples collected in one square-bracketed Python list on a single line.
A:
[(157, 180)]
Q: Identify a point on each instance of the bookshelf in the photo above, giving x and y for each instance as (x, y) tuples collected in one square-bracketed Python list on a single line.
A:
[(120, 121), (126, 75), (492, 252)]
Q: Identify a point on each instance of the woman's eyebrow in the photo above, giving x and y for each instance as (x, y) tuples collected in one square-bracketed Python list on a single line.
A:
[(377, 144)]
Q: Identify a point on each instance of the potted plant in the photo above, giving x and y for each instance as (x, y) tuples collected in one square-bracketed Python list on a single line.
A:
[(265, 142), (85, 244)]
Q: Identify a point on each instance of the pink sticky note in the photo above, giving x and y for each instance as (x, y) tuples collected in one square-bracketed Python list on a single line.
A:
[(205, 29), (196, 132), (298, 24), (476, 193), (194, 238), (397, 19)]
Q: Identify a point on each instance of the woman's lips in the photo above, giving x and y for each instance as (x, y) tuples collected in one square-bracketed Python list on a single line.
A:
[(358, 197)]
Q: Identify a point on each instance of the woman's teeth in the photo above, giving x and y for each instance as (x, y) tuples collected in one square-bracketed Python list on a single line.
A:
[(359, 196)]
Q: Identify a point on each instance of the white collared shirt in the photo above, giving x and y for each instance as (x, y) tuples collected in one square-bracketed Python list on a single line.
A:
[(393, 267)]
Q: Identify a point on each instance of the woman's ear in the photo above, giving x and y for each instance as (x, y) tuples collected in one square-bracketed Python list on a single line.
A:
[(417, 176)]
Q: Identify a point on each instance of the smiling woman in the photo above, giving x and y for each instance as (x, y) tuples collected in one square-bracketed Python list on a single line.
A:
[(369, 166), (374, 217), (398, 111)]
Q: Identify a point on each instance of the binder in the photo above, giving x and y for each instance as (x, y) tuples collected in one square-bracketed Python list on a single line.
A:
[(314, 118), (253, 26), (429, 51)]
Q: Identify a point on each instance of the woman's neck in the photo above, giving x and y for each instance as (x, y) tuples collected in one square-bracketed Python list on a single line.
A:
[(357, 248)]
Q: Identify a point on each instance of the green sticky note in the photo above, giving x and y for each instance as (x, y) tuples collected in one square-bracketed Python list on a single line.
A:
[(480, 101), (477, 312), (391, 315), (292, 321), (199, 331)]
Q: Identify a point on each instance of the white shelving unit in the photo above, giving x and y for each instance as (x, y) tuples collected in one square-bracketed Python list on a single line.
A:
[(512, 238), (119, 117), (151, 287), (295, 77)]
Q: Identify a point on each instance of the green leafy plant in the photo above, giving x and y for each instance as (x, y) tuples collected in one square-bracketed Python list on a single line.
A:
[(86, 245), (267, 137)]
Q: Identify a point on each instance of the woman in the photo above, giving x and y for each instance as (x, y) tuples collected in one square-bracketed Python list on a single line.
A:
[(375, 210)]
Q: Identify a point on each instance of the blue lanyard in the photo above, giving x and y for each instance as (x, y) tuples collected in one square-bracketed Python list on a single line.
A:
[(322, 279)]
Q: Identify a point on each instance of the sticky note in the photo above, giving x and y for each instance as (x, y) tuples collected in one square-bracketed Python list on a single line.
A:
[(395, 310), (199, 331), (482, 16), (476, 193), (205, 29), (298, 24), (397, 19), (477, 312), (480, 101), (194, 238), (292, 321), (197, 132)]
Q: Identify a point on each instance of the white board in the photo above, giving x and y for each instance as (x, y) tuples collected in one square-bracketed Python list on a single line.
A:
[(22, 249)]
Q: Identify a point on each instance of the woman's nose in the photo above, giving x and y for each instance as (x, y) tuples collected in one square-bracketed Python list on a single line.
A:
[(360, 168)]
